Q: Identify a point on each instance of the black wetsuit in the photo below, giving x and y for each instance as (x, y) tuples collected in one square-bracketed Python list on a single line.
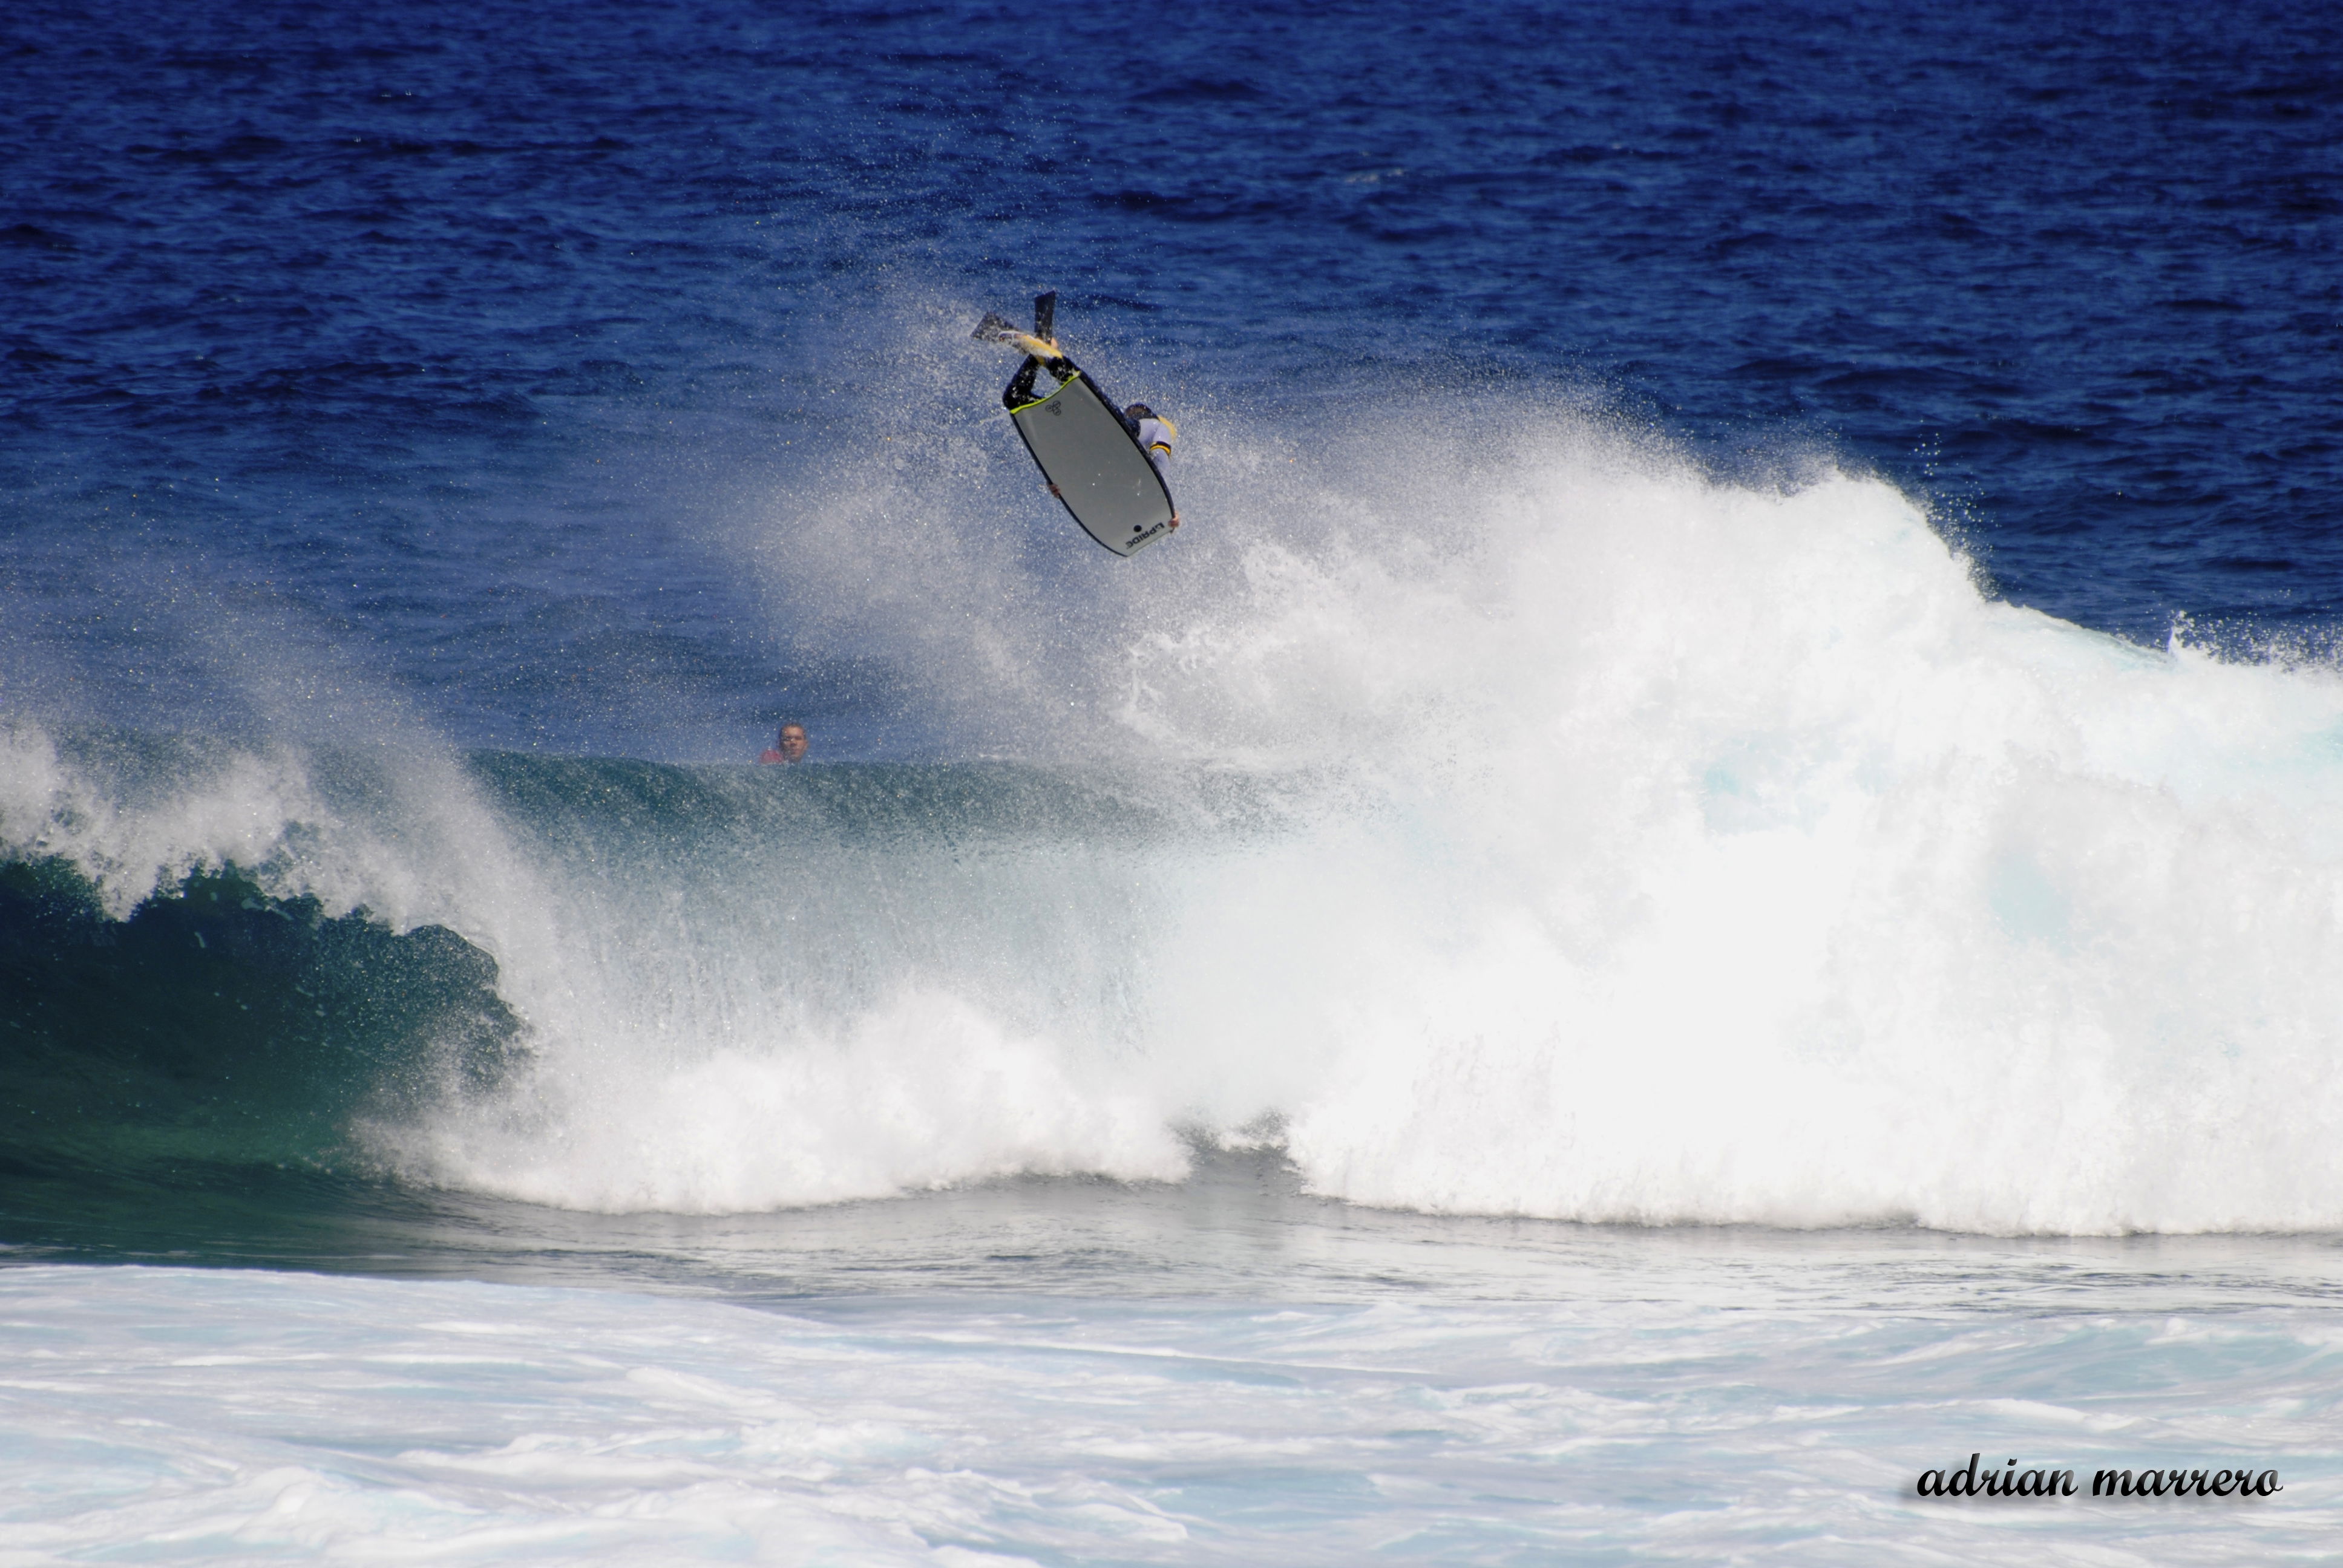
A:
[(1020, 391)]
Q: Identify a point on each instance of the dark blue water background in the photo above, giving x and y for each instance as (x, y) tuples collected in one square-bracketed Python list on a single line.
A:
[(429, 336)]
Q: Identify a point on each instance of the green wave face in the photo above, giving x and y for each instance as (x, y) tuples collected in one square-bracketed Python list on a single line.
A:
[(219, 1028)]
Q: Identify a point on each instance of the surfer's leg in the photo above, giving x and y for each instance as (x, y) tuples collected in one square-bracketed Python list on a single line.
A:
[(1020, 391)]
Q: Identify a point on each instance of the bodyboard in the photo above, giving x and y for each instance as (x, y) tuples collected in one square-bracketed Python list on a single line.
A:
[(1082, 445)]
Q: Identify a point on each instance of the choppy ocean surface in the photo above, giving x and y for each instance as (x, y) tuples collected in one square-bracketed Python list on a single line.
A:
[(1710, 876)]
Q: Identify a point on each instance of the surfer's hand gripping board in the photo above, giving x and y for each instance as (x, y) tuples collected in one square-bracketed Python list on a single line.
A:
[(1081, 441)]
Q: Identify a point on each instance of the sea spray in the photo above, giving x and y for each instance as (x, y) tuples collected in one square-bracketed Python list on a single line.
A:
[(1766, 871), (1660, 847), (1561, 831)]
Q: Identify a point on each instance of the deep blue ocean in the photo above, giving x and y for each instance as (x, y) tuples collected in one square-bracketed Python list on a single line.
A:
[(1709, 874), (441, 336)]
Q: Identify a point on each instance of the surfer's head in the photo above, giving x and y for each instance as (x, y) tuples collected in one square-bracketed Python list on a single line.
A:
[(790, 742), (1139, 411)]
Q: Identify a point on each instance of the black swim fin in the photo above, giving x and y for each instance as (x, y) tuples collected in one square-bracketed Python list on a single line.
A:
[(1045, 316), (994, 329)]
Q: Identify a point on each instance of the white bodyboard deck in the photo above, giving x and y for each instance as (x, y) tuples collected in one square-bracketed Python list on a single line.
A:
[(1102, 475)]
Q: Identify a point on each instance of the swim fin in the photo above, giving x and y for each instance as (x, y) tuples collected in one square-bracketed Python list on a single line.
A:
[(994, 329)]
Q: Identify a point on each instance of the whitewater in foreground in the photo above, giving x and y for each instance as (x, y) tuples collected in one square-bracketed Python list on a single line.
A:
[(1693, 1401)]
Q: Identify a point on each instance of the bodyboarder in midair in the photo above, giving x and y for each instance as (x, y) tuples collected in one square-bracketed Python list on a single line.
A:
[(1154, 434)]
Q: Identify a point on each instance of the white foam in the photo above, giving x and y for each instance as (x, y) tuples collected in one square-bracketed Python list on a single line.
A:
[(1738, 860), (1671, 850), (1650, 848), (922, 1092), (225, 1416)]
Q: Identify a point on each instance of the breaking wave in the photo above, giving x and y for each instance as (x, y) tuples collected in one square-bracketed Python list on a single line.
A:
[(1570, 832)]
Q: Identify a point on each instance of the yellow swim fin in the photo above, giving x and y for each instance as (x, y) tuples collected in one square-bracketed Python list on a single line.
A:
[(993, 329)]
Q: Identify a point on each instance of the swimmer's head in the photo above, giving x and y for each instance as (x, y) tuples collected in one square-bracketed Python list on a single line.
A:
[(1139, 411)]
